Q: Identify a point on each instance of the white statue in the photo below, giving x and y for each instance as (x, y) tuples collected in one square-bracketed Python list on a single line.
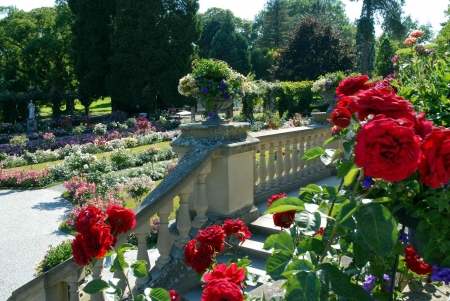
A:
[(31, 108)]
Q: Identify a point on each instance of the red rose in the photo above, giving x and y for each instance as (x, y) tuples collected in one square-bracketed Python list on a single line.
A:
[(97, 241), (87, 218), (423, 126), (340, 117), (236, 226), (282, 219), (232, 274), (78, 252), (352, 85), (434, 165), (381, 101), (120, 219), (200, 258), (275, 197), (212, 236), (415, 264), (173, 295), (221, 289), (387, 148)]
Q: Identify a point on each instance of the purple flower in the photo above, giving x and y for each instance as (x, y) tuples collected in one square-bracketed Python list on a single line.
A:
[(197, 77), (205, 90), (403, 238), (367, 182), (227, 96), (395, 58), (211, 114), (440, 274), (429, 52), (369, 284), (388, 280)]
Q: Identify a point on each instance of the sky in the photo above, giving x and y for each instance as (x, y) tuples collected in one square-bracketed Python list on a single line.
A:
[(425, 11)]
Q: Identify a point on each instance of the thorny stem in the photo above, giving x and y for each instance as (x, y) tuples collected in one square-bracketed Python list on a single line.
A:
[(334, 200), (128, 285)]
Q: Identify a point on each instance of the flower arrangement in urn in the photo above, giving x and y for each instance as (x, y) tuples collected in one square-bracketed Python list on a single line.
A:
[(214, 83)]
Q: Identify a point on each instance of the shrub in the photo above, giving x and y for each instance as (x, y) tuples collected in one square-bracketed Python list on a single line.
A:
[(100, 129), (118, 116), (130, 142), (131, 122), (121, 159), (53, 257), (296, 97)]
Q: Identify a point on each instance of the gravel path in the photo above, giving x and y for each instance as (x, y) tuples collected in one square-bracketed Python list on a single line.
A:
[(28, 225)]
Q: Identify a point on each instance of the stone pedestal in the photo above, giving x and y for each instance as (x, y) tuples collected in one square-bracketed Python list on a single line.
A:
[(229, 183), (31, 125)]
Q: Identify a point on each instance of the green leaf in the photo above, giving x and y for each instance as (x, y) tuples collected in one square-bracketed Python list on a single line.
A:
[(139, 269), (442, 204), (303, 286), (351, 175), (344, 169), (139, 298), (432, 46), (95, 286), (284, 242), (340, 283), (446, 262), (349, 223), (329, 140), (310, 244), (307, 222), (378, 228), (244, 262), (404, 51), (159, 294), (277, 263), (285, 204), (300, 265), (313, 153), (311, 257), (270, 242), (361, 251)]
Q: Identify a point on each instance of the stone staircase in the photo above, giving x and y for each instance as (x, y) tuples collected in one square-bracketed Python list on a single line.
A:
[(253, 248)]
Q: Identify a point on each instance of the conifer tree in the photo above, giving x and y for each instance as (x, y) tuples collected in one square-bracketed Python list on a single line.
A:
[(383, 64)]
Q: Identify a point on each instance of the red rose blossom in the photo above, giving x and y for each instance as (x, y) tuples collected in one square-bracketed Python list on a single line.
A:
[(415, 264), (212, 236), (236, 226), (173, 295), (381, 101), (87, 218), (221, 289), (282, 219), (340, 117), (353, 85), (199, 258), (97, 241), (120, 219), (423, 126), (232, 274), (78, 252), (434, 165), (387, 148)]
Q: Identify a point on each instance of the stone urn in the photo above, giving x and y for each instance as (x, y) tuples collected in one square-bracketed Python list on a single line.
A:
[(320, 117), (329, 97), (214, 118)]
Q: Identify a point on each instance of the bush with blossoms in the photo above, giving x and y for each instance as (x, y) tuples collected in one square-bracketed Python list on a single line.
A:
[(221, 281), (394, 168), (97, 235)]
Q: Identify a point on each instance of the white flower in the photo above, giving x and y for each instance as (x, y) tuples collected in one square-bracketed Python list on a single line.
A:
[(85, 166)]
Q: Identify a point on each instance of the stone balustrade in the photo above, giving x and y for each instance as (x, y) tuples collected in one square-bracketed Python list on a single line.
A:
[(217, 175)]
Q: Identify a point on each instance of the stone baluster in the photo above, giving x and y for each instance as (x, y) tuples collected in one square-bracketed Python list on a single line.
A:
[(201, 201), (184, 219), (301, 152), (321, 140), (164, 239), (308, 164), (121, 276), (74, 286), (271, 168), (295, 160), (280, 163), (317, 161), (257, 188), (142, 254), (262, 168), (97, 275), (287, 162)]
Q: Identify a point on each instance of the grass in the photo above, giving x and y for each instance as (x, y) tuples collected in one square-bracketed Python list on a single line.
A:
[(99, 107), (100, 156)]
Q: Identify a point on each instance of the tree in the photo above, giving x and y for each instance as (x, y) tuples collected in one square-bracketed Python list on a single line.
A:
[(153, 47), (385, 52), (92, 30), (275, 24), (231, 47), (389, 10), (313, 49)]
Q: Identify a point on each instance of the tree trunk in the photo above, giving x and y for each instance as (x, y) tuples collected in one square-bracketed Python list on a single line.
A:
[(365, 57)]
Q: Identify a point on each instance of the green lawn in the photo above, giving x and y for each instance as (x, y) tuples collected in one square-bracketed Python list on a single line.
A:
[(100, 107)]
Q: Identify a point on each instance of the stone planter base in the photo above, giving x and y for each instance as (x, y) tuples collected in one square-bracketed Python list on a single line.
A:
[(320, 117)]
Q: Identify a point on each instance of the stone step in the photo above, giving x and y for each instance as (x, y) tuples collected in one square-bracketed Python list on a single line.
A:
[(253, 248), (264, 226)]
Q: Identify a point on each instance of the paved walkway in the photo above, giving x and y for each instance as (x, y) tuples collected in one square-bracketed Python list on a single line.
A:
[(28, 225)]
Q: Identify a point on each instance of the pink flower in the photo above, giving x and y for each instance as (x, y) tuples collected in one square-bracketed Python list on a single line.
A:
[(416, 34)]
